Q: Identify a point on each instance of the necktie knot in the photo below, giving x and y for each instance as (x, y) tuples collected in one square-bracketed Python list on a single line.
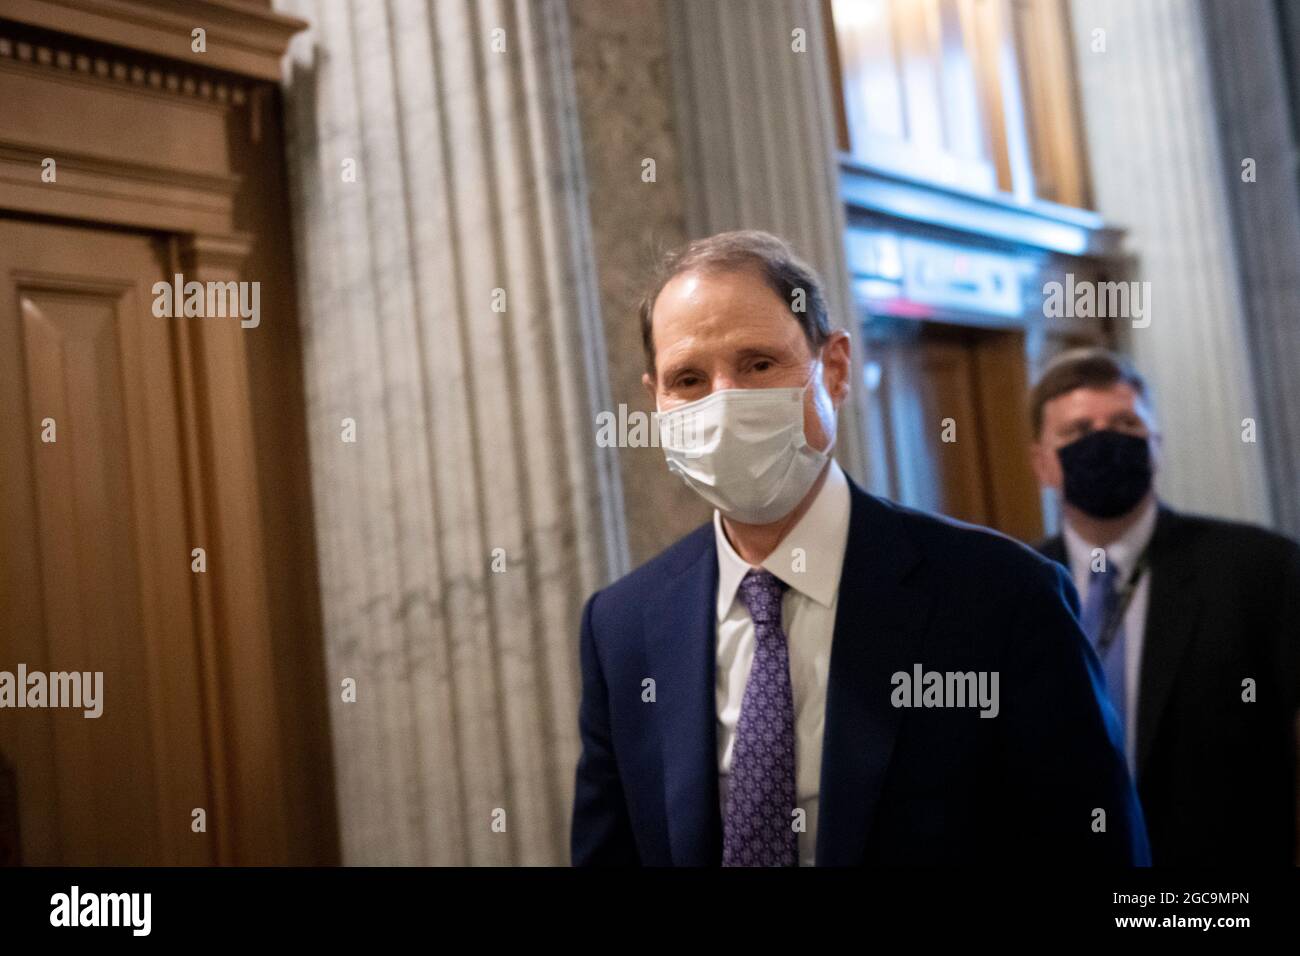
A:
[(1105, 584), (760, 592), (1111, 572)]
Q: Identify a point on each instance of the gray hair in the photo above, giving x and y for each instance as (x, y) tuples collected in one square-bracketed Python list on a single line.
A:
[(770, 257)]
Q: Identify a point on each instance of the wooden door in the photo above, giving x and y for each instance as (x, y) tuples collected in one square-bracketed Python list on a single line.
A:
[(933, 418), (953, 415), (95, 551)]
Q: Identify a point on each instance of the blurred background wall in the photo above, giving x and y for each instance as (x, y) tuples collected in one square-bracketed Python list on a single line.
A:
[(1160, 172), (1254, 51)]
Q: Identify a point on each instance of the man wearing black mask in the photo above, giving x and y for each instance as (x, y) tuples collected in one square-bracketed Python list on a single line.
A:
[(1196, 622)]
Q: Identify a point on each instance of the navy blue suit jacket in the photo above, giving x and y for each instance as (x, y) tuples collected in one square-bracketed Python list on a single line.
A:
[(898, 785)]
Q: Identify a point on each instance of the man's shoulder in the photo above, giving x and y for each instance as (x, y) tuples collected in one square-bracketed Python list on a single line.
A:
[(984, 580), (1053, 547), (948, 538), (1219, 540), (967, 556)]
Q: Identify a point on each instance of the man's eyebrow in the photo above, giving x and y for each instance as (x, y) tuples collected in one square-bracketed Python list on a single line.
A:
[(676, 366), (1124, 414)]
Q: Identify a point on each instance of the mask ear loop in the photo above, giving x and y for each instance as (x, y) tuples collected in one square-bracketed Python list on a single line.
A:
[(812, 376)]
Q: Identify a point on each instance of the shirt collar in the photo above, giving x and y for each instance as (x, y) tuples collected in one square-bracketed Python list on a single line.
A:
[(1123, 552), (820, 538)]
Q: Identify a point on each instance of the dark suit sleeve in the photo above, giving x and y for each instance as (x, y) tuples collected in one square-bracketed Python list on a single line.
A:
[(1063, 745), (601, 833)]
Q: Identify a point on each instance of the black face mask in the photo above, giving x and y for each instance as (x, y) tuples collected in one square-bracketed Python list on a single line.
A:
[(1106, 472)]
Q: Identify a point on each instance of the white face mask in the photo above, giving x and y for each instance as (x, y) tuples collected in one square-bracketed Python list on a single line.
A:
[(743, 451)]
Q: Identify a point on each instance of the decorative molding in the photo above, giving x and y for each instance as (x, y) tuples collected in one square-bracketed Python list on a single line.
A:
[(1040, 224), (113, 65), (213, 256), (235, 630), (106, 173), (127, 194), (241, 38)]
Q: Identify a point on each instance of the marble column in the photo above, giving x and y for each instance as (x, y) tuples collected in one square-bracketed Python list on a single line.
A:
[(1251, 78), (455, 363), (1157, 171), (626, 108), (756, 121)]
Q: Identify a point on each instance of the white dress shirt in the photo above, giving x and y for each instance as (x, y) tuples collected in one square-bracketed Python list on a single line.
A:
[(809, 559), (1122, 554)]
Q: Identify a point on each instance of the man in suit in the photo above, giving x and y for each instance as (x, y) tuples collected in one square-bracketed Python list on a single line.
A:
[(817, 675), (1196, 621)]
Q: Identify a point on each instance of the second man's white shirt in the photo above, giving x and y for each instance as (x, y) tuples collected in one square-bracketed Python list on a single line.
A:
[(808, 559)]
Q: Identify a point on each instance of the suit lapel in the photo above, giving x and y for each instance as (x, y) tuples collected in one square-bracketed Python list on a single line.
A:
[(878, 621), (1170, 620), (680, 632)]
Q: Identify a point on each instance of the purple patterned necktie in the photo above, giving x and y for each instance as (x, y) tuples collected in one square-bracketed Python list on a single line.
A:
[(759, 825)]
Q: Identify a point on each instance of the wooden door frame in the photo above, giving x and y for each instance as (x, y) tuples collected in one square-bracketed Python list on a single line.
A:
[(187, 191)]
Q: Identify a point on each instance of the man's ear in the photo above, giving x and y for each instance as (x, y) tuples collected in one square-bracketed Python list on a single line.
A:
[(649, 384), (837, 358), (1038, 460)]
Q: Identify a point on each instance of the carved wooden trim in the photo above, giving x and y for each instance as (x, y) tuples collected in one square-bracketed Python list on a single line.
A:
[(215, 257), (121, 193), (111, 65), (234, 617), (241, 38), (105, 175)]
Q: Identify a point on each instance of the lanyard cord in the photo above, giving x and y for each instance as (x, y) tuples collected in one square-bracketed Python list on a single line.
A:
[(1111, 626)]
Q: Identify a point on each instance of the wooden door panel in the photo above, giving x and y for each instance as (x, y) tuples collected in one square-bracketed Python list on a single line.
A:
[(929, 381), (97, 573), (1002, 387), (223, 669), (977, 378)]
